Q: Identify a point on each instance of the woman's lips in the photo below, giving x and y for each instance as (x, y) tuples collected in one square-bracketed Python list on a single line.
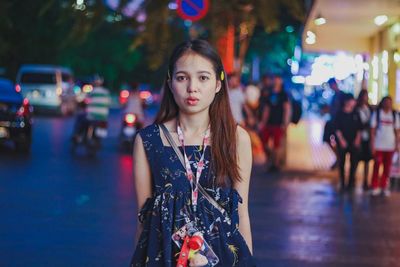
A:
[(192, 101)]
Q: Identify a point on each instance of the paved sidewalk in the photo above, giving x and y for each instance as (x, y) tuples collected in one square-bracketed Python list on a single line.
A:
[(305, 149), (299, 219)]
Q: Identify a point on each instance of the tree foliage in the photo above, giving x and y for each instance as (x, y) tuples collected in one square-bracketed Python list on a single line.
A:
[(243, 14), (98, 39)]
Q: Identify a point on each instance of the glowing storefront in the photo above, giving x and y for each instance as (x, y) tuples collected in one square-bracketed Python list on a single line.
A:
[(367, 28)]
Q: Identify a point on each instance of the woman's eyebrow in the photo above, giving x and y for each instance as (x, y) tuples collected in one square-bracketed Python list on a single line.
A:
[(180, 71), (199, 72), (204, 71)]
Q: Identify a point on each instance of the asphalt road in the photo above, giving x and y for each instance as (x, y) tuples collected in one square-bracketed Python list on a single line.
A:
[(58, 209)]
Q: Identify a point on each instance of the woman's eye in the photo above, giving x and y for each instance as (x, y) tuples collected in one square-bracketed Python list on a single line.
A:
[(180, 78), (204, 78)]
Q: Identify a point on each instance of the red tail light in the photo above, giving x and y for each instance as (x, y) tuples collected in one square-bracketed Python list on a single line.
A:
[(18, 88), (124, 94), (145, 94), (130, 119), (25, 109)]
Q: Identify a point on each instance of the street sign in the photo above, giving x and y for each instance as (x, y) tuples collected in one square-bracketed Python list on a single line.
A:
[(192, 10)]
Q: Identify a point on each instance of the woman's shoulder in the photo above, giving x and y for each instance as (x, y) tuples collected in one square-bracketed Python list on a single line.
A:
[(149, 130), (150, 127)]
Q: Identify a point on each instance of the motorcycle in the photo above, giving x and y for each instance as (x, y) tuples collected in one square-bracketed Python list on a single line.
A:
[(130, 126), (91, 137)]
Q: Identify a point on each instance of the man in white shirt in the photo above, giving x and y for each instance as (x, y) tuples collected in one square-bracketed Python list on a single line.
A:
[(237, 99), (385, 125)]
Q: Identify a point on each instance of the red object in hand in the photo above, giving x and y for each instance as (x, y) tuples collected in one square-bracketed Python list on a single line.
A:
[(189, 243), (184, 254), (196, 242)]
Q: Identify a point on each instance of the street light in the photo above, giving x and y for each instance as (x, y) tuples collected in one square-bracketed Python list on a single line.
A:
[(380, 20), (319, 20), (311, 38)]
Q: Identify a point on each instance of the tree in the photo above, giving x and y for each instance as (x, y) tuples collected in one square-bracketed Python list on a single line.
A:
[(90, 37), (30, 32), (245, 15)]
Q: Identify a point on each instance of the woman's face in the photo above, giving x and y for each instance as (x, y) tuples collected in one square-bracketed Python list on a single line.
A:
[(194, 83), (349, 105), (365, 98), (387, 104)]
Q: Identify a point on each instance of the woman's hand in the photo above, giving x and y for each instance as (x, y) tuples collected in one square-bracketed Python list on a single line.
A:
[(198, 260)]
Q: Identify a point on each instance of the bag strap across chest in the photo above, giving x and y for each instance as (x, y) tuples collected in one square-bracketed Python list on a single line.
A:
[(181, 159)]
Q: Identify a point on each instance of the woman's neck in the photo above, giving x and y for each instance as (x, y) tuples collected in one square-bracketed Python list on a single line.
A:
[(193, 124)]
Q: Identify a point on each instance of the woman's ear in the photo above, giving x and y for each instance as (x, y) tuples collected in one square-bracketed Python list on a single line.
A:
[(219, 86)]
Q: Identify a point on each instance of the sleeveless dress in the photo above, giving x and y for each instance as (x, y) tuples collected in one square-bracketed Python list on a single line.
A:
[(169, 209)]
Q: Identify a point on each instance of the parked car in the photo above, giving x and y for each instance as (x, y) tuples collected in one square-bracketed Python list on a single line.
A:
[(15, 116), (48, 87)]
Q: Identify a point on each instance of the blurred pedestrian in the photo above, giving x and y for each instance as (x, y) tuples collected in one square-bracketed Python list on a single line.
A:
[(95, 107), (335, 106), (237, 99), (365, 111), (347, 125), (267, 83), (98, 101), (252, 97), (80, 123), (385, 126), (190, 167), (337, 99), (134, 103), (252, 94), (274, 122)]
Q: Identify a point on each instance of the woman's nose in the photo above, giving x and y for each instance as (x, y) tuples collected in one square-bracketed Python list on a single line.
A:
[(192, 86)]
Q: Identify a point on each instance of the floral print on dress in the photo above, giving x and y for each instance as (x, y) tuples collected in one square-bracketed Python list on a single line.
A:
[(170, 208)]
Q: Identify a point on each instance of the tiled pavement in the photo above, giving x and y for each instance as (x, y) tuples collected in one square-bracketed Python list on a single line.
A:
[(299, 219)]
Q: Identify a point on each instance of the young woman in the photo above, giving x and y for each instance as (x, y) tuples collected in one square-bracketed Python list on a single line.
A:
[(385, 125), (214, 156), (365, 112), (348, 132)]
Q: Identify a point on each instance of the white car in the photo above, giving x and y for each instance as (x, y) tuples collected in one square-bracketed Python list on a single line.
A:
[(48, 87)]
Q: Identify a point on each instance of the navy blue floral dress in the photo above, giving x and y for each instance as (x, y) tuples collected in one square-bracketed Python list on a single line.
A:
[(169, 208)]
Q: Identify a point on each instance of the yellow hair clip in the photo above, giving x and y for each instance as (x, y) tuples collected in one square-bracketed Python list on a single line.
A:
[(222, 75)]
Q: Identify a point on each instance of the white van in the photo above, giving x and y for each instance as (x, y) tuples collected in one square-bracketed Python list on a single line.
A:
[(48, 87)]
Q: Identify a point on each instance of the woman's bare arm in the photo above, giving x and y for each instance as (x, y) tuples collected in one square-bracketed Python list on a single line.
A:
[(245, 163), (141, 176)]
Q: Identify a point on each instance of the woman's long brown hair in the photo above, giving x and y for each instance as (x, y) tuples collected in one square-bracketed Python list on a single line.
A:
[(222, 123)]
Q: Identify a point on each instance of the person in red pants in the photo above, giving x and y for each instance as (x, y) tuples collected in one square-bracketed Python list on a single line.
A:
[(275, 118), (385, 125)]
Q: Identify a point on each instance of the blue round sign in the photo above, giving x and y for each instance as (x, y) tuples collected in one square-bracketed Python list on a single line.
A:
[(192, 9)]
